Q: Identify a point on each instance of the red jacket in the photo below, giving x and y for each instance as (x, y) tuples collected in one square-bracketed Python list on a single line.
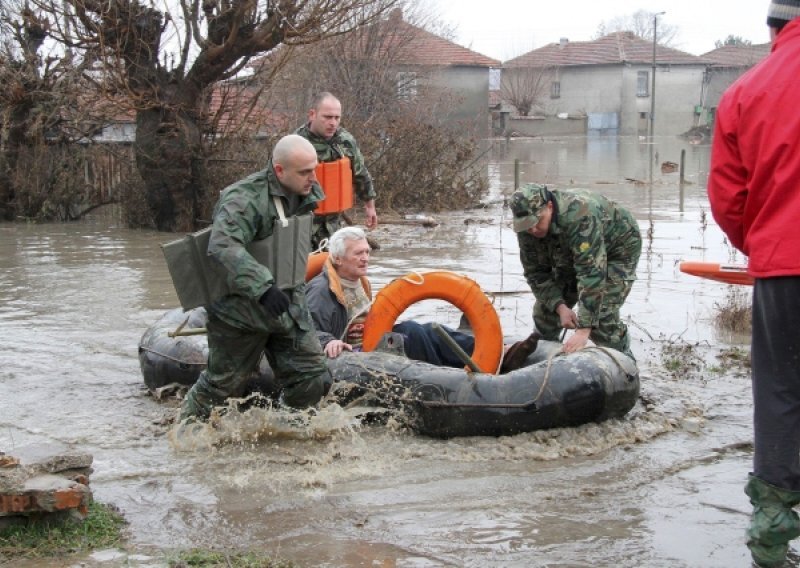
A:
[(754, 184)]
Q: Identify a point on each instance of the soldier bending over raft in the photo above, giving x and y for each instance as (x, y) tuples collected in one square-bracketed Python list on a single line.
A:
[(577, 247)]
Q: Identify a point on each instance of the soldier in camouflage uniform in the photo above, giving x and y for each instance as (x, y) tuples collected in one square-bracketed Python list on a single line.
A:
[(577, 247), (259, 317), (332, 143)]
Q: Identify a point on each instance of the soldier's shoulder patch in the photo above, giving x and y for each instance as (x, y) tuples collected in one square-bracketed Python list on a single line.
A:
[(584, 246)]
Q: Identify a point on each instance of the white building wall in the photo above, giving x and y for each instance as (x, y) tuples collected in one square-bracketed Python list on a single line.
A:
[(470, 89), (586, 90), (678, 92), (605, 89)]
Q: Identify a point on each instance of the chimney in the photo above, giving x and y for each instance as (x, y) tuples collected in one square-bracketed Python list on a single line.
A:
[(396, 16), (562, 43)]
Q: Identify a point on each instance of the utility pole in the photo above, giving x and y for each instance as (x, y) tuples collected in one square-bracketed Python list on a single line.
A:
[(653, 80), (652, 129)]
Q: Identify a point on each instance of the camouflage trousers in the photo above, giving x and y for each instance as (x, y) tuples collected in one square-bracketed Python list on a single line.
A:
[(610, 331), (239, 331), (324, 227)]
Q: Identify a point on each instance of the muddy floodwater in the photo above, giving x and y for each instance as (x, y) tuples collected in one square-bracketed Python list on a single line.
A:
[(661, 487)]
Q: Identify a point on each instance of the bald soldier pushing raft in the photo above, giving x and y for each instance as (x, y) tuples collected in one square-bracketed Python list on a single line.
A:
[(258, 315)]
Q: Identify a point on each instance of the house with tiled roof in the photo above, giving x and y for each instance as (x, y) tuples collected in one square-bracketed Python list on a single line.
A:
[(609, 81), (446, 65), (726, 64)]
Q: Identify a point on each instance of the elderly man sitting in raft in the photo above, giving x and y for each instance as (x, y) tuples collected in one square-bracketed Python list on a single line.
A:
[(339, 298)]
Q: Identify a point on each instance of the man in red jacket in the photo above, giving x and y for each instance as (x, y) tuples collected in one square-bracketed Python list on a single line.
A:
[(754, 189)]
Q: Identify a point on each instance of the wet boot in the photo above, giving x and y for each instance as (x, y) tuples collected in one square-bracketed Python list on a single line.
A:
[(518, 353), (773, 523), (305, 393), (194, 408)]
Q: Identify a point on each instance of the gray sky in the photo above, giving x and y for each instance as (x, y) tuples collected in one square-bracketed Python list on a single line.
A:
[(503, 29)]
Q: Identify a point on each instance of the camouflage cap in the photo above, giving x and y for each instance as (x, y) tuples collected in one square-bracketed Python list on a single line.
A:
[(526, 205)]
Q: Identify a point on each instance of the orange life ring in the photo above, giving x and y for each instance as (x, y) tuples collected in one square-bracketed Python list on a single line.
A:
[(316, 260), (457, 289)]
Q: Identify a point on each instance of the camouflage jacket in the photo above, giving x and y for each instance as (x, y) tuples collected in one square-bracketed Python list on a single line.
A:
[(244, 213), (587, 231), (338, 146)]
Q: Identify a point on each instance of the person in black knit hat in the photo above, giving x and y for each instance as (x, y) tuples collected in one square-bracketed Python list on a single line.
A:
[(754, 190)]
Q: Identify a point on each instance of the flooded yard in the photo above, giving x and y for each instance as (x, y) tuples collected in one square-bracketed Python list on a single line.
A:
[(661, 487)]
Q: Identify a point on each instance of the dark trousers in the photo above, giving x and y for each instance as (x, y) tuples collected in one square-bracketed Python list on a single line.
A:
[(423, 344), (239, 331), (776, 381)]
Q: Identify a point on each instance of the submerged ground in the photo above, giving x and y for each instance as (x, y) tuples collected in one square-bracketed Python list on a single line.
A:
[(662, 487)]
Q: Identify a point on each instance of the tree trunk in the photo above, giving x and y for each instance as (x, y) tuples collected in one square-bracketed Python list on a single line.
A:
[(167, 152), (17, 130), (7, 210)]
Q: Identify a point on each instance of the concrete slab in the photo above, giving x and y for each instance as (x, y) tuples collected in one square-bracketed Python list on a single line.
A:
[(45, 478)]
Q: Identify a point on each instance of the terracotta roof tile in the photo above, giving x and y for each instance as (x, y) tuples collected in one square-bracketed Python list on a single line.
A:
[(738, 55), (409, 44), (237, 107), (425, 48), (614, 48)]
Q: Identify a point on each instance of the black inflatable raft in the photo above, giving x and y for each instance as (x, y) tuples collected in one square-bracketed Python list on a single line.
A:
[(551, 390)]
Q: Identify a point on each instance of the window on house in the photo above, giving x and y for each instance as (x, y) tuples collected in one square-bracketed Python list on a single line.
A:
[(555, 89), (495, 78), (406, 85), (643, 84)]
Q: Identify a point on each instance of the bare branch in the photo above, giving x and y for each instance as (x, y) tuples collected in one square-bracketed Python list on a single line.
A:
[(524, 87), (641, 24), (192, 31)]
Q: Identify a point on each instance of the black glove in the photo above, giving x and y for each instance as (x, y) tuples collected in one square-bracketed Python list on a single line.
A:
[(275, 301)]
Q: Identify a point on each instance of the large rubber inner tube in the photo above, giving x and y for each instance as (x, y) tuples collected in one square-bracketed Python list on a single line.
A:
[(552, 390), (457, 289)]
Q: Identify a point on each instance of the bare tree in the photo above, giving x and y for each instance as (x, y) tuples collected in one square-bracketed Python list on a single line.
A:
[(524, 87), (41, 103), (22, 34), (394, 109), (641, 24), (735, 40), (165, 63), (367, 68)]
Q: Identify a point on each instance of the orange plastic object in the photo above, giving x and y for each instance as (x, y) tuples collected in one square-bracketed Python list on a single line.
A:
[(316, 260), (457, 289), (336, 179), (727, 273)]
